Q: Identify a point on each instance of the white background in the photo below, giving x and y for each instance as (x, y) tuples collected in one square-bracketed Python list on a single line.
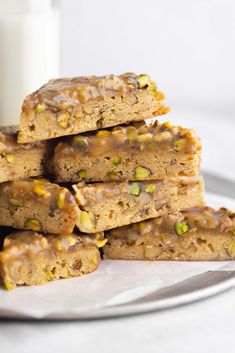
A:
[(187, 46)]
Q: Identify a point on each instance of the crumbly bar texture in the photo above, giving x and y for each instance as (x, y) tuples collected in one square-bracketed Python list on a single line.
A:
[(37, 205), (199, 234), (19, 161), (135, 152), (31, 258), (104, 206), (69, 106)]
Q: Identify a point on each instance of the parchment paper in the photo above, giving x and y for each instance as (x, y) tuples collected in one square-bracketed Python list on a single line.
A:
[(114, 282)]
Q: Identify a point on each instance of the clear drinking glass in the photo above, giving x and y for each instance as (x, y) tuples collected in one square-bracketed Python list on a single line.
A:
[(29, 51)]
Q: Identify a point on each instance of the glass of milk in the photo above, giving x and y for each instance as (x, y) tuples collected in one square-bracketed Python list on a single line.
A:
[(29, 51)]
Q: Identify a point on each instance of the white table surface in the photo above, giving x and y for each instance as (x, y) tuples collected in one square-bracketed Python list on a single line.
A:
[(206, 326)]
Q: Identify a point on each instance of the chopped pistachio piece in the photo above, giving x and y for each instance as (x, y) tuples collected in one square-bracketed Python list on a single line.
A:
[(81, 143), (132, 136), (167, 125), (63, 120), (163, 136), (9, 286), (87, 219), (179, 145), (150, 188), (101, 242), (145, 137), (44, 242), (151, 88), (49, 276), (60, 200), (33, 224), (15, 202), (231, 248), (103, 133), (152, 145), (41, 191), (116, 160), (9, 158), (71, 241), (39, 108), (112, 176), (82, 174), (143, 80), (135, 189), (181, 228), (141, 173)]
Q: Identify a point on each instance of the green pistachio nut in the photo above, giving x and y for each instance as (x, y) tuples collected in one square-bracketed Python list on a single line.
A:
[(135, 189), (150, 188), (63, 120), (101, 242), (179, 145), (60, 200), (82, 174), (33, 224), (9, 158), (39, 108), (116, 160), (143, 81), (112, 176), (145, 137), (181, 228), (103, 133), (15, 202), (87, 220), (141, 173)]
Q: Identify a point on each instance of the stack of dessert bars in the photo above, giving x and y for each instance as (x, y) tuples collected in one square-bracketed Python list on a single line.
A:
[(84, 177)]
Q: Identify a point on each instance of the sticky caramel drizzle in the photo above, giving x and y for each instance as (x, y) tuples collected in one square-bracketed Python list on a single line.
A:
[(200, 218), (65, 93), (135, 137), (29, 243)]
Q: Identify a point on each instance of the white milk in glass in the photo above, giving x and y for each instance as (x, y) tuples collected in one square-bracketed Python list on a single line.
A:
[(29, 51)]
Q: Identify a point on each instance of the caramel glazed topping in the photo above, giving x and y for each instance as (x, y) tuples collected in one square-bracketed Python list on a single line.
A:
[(88, 194), (186, 222), (9, 145), (65, 93), (17, 193), (138, 136), (29, 243)]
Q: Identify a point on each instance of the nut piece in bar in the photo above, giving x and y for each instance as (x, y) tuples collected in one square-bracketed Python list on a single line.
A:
[(31, 258), (69, 106), (197, 234), (109, 205), (135, 152), (19, 161), (38, 205)]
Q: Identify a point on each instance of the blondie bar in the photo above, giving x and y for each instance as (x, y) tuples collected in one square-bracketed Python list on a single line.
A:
[(109, 205), (69, 106), (38, 205), (19, 161), (135, 152), (198, 234), (31, 258)]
